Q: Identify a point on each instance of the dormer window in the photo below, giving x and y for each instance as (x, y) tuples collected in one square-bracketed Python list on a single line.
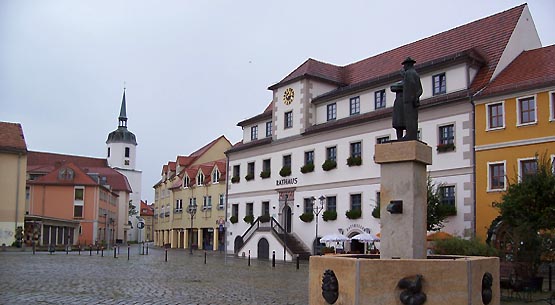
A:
[(66, 174), (439, 83), (186, 181), (254, 133), (215, 176), (200, 178)]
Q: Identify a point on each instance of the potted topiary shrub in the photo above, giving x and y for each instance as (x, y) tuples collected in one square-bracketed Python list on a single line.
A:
[(233, 219), (307, 168), (264, 218), (445, 147), (307, 217), (285, 171), (329, 165), (353, 214), (235, 179), (354, 161), (249, 219), (264, 174), (249, 177), (329, 215)]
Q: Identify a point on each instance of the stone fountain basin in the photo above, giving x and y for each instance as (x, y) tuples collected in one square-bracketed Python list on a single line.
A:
[(367, 279)]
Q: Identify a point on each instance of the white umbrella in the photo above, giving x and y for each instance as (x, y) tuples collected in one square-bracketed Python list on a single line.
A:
[(334, 237), (365, 237)]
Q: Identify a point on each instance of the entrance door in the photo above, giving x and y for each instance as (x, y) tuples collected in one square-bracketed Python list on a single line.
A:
[(288, 219), (263, 249)]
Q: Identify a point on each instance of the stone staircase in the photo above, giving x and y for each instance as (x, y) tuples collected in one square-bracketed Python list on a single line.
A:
[(295, 246)]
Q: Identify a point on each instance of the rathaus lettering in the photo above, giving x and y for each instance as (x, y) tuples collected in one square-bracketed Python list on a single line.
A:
[(286, 181)]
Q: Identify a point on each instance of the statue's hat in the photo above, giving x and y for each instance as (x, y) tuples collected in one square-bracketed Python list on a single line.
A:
[(408, 60)]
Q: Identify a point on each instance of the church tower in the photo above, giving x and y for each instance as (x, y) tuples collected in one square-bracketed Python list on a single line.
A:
[(121, 155)]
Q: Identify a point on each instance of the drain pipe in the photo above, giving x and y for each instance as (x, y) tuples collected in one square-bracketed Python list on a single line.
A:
[(19, 156), (227, 180)]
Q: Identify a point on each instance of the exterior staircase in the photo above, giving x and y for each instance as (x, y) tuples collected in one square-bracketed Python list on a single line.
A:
[(295, 246)]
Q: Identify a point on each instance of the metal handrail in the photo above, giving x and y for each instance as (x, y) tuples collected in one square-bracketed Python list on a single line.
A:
[(250, 231)]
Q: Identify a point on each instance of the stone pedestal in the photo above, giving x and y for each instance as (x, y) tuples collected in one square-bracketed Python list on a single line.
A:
[(403, 179)]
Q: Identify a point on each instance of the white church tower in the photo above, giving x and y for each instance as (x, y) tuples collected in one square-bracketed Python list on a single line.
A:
[(121, 155)]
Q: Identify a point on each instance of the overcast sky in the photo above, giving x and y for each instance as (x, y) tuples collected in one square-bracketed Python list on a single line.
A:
[(193, 69)]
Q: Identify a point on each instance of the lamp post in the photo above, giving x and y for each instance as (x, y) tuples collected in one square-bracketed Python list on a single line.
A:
[(192, 210), (317, 208), (285, 227), (105, 226)]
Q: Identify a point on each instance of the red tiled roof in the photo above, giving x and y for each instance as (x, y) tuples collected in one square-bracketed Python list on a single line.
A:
[(489, 35), (79, 176), (145, 207), (184, 160), (206, 147), (35, 158), (171, 166), (531, 69), (12, 138)]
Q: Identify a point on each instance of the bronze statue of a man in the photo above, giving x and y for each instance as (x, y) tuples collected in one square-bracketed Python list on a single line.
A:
[(412, 90), (398, 121)]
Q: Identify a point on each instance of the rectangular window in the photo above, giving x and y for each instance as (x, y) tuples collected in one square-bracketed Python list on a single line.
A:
[(356, 149), (552, 106), (200, 178), (178, 205), (331, 203), (447, 194), (221, 202), (249, 211), (381, 140), (495, 116), (354, 104), (496, 176), (235, 210), (527, 168), (207, 202), (266, 208), (266, 165), (356, 202), (254, 133), (236, 170), (79, 202), (440, 84), (332, 112), (192, 201), (215, 176), (379, 99), (186, 181), (308, 205), (288, 119), (309, 157), (127, 152), (331, 153), (287, 161), (268, 129), (447, 134), (250, 169), (526, 110)]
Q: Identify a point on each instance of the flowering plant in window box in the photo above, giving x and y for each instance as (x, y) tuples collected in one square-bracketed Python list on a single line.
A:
[(285, 171), (353, 214), (235, 179), (329, 165), (354, 161), (307, 168), (249, 177), (264, 174), (448, 209), (233, 219), (445, 147), (307, 217), (329, 215), (249, 219), (264, 218)]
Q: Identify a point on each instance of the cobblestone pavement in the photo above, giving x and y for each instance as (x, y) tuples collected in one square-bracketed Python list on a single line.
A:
[(63, 278)]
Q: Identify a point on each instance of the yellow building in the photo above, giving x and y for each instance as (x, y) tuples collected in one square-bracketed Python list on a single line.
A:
[(515, 125), (13, 167), (197, 180)]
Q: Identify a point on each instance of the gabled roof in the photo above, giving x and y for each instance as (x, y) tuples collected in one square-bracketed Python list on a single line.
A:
[(12, 138), (531, 69), (490, 35), (41, 159), (149, 210), (206, 147), (267, 114), (79, 177)]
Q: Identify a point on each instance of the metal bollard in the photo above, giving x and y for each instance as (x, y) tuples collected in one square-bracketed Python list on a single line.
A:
[(249, 257), (146, 249), (166, 254), (67, 249), (102, 252), (34, 248), (297, 262), (115, 252), (90, 250), (274, 259), (205, 257), (128, 250), (97, 247)]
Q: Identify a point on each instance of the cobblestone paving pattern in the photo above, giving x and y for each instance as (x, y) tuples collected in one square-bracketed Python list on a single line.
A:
[(63, 278)]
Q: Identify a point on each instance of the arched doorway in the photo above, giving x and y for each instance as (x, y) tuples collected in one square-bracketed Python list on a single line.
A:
[(238, 244), (263, 249), (287, 218), (356, 246)]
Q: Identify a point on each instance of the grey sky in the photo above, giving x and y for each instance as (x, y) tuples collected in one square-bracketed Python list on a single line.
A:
[(193, 69)]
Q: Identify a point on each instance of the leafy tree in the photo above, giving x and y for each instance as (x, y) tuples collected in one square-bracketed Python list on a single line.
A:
[(132, 208), (437, 212), (528, 208)]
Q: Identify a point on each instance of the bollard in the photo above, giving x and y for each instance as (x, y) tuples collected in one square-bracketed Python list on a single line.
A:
[(143, 249), (166, 254), (249, 258), (67, 249), (102, 252), (274, 259), (97, 250), (146, 249), (34, 248), (115, 252), (79, 249), (205, 257), (297, 262), (128, 250), (90, 250)]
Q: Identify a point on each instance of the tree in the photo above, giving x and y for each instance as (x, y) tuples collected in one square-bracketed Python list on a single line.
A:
[(528, 208), (132, 209)]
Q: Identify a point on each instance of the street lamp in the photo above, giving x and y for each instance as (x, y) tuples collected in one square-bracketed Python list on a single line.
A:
[(285, 227), (317, 208), (192, 210), (105, 226)]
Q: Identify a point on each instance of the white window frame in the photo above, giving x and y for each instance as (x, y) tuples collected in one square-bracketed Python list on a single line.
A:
[(488, 127), (200, 178), (207, 202), (551, 106), (489, 189), (215, 174), (518, 110), (519, 161), (186, 181), (221, 203), (80, 203), (254, 132), (553, 164)]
